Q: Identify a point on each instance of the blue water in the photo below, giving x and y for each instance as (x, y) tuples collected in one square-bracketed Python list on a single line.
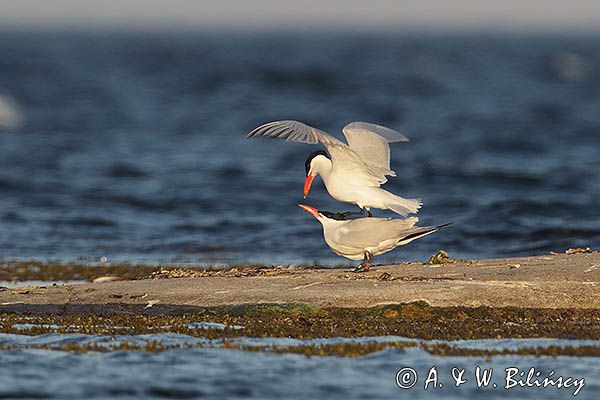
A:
[(133, 145), (132, 148), (214, 373)]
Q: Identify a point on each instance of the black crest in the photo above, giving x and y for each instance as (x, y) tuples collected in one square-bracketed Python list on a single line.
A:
[(310, 158)]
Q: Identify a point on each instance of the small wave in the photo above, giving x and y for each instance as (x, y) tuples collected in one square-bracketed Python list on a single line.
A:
[(13, 216), (90, 222), (125, 171), (565, 232), (312, 78)]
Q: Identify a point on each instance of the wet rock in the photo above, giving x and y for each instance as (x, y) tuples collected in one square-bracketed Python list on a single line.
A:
[(441, 257), (109, 278), (385, 276), (578, 250), (27, 289)]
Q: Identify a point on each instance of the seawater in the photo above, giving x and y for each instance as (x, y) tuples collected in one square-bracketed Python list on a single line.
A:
[(133, 145), (216, 373)]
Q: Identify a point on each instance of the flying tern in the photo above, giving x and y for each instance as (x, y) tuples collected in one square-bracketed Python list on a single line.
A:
[(352, 172), (364, 238)]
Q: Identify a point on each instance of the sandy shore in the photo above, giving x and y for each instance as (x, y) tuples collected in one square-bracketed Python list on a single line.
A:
[(554, 282)]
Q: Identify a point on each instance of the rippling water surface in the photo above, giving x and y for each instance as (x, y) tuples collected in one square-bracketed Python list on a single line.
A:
[(217, 373), (132, 146)]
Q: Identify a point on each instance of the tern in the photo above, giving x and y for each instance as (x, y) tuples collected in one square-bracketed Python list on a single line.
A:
[(364, 238), (353, 172)]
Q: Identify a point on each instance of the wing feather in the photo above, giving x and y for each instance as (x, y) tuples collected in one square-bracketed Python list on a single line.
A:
[(370, 143), (344, 158), (294, 131), (370, 232)]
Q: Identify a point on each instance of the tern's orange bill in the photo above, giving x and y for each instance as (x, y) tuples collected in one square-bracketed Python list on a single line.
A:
[(307, 183), (311, 210)]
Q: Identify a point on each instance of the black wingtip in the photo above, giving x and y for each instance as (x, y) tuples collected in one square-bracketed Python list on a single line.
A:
[(445, 225)]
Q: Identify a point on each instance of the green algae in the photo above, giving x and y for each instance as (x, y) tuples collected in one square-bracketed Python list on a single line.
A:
[(342, 349), (303, 321), (51, 271), (355, 349), (415, 320), (151, 346), (446, 350), (258, 309), (57, 271), (442, 257)]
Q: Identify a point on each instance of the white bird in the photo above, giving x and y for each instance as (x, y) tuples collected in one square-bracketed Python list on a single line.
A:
[(364, 238), (352, 172)]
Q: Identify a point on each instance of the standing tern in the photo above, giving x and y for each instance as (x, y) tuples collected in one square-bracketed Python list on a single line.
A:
[(364, 238), (352, 172)]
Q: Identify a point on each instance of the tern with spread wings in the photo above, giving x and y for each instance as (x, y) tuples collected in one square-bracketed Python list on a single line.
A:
[(364, 238), (352, 172)]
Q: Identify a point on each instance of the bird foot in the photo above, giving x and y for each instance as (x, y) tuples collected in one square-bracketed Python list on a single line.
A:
[(334, 215), (362, 268), (342, 216), (351, 213)]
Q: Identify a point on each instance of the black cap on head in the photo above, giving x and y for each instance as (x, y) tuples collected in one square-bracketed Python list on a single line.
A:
[(311, 156)]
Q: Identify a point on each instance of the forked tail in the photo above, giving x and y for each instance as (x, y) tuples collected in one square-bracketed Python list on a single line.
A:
[(418, 232)]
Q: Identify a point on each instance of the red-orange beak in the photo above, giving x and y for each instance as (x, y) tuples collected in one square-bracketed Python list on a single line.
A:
[(307, 183), (310, 210)]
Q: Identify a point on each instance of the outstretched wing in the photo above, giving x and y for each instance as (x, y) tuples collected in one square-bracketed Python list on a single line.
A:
[(370, 143), (294, 131), (371, 232), (344, 159)]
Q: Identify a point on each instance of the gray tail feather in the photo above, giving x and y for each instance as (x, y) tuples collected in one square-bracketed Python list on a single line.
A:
[(403, 206), (424, 231), (445, 225)]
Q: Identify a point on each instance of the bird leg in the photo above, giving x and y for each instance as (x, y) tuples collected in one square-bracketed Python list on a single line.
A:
[(365, 264), (362, 211)]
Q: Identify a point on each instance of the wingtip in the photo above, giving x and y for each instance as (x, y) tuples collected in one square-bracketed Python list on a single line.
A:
[(253, 132), (445, 225), (257, 131)]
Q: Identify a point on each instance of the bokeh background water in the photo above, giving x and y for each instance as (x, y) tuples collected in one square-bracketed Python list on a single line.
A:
[(132, 146)]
